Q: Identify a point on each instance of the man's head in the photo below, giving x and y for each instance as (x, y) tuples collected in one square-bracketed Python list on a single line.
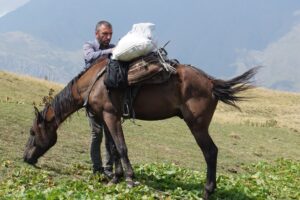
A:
[(103, 33)]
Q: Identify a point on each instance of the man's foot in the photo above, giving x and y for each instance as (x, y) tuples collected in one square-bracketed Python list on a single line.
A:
[(99, 174), (108, 173), (98, 171)]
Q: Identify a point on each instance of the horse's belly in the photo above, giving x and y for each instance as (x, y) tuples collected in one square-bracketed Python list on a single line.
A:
[(156, 103), (155, 114)]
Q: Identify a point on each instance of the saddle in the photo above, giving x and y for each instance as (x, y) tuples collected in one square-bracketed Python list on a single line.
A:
[(153, 68)]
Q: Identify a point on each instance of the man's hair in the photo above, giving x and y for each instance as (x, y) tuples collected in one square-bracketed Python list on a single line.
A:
[(105, 23)]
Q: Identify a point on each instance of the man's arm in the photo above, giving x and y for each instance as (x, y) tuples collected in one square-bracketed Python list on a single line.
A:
[(90, 54)]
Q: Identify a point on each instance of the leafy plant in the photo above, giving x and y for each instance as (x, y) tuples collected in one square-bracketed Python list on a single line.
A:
[(279, 180)]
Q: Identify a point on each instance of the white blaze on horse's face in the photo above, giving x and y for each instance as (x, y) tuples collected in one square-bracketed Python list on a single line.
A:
[(42, 137)]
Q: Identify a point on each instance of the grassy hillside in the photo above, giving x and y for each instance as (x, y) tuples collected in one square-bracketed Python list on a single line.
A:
[(267, 129)]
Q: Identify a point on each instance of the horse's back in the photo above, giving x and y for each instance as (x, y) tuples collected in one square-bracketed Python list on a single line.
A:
[(166, 100)]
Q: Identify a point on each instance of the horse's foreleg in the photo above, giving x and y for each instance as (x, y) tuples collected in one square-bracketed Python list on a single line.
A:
[(114, 125), (118, 169), (114, 158)]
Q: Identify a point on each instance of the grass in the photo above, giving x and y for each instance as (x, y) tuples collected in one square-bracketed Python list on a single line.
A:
[(279, 180), (266, 130)]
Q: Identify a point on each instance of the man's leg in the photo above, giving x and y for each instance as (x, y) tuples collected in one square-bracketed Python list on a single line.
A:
[(96, 139), (109, 154)]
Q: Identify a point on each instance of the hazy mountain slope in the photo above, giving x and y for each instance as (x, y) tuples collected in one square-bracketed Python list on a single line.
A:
[(207, 34), (23, 54), (203, 33)]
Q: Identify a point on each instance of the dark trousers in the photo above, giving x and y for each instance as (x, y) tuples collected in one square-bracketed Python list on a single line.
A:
[(96, 139)]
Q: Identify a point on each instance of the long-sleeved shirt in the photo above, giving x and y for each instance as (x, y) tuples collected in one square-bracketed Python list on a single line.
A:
[(92, 50)]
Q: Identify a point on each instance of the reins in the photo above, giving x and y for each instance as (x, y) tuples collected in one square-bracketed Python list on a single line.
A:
[(99, 74)]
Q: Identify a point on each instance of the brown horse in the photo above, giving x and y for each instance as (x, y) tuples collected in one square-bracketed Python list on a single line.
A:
[(189, 94)]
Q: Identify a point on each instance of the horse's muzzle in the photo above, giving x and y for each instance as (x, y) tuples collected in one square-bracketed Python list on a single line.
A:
[(30, 161)]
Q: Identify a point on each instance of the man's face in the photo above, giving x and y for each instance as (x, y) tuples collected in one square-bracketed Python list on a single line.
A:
[(103, 35)]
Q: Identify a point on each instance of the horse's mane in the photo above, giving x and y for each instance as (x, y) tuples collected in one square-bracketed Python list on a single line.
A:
[(64, 100)]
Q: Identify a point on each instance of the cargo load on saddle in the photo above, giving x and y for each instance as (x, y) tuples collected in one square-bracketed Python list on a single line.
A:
[(137, 42), (137, 60)]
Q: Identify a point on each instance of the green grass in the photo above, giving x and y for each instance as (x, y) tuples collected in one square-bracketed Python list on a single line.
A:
[(265, 131), (157, 181)]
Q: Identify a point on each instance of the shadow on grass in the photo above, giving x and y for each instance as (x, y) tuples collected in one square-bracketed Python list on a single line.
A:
[(230, 194), (171, 183)]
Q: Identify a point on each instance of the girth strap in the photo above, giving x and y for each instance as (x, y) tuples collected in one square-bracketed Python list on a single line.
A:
[(99, 74)]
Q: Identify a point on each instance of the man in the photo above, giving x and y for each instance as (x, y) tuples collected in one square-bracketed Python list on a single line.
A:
[(92, 51), (101, 46)]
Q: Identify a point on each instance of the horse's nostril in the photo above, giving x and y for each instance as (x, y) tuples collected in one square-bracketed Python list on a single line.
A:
[(30, 161), (27, 160)]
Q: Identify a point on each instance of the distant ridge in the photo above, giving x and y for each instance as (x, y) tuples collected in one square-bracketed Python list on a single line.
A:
[(206, 34), (37, 58)]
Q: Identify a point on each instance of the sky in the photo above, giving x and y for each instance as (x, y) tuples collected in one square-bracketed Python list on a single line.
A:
[(276, 51), (7, 6), (280, 60)]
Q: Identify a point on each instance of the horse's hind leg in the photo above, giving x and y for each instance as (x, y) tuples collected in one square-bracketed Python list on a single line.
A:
[(199, 127), (210, 152)]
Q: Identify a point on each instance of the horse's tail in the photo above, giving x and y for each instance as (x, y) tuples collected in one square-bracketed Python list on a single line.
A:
[(226, 91)]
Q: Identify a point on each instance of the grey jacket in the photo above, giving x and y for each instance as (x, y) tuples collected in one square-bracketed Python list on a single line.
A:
[(92, 50)]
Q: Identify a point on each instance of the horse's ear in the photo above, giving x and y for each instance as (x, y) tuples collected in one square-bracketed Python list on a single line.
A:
[(36, 111), (38, 115), (49, 115)]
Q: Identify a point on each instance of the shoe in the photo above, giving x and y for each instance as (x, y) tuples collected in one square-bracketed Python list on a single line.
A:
[(98, 170), (108, 173)]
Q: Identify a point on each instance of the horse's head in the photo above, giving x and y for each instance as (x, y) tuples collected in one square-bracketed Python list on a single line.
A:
[(42, 135)]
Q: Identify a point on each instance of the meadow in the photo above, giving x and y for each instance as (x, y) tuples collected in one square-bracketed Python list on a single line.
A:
[(258, 151)]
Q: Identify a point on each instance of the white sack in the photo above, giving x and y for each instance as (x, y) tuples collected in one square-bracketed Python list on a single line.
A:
[(143, 29), (137, 42)]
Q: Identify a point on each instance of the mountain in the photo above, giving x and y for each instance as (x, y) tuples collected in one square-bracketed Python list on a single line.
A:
[(21, 53), (205, 34)]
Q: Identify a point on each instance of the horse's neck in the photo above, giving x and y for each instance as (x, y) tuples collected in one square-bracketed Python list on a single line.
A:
[(88, 77), (72, 97), (66, 102)]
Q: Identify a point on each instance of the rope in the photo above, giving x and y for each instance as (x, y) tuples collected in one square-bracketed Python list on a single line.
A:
[(165, 65)]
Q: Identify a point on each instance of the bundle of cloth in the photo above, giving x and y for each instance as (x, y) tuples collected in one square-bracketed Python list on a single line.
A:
[(139, 41)]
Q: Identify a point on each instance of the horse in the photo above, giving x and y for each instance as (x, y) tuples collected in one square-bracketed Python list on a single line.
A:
[(190, 94)]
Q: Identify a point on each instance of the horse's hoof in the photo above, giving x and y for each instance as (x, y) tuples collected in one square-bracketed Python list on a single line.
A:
[(205, 196), (110, 184), (131, 184), (113, 181), (209, 189)]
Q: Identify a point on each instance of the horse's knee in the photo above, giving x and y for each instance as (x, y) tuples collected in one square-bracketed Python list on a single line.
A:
[(122, 150)]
